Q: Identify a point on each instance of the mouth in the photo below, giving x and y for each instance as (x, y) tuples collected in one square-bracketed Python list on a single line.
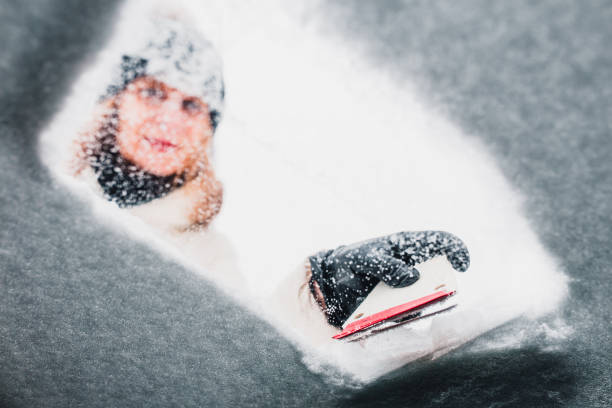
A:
[(160, 145)]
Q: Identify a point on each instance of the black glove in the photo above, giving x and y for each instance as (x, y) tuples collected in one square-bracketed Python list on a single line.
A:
[(347, 274)]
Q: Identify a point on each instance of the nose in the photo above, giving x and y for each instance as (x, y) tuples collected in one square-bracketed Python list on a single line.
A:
[(173, 103), (170, 116)]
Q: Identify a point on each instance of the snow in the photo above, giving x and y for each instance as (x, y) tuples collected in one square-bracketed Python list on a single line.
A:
[(316, 149)]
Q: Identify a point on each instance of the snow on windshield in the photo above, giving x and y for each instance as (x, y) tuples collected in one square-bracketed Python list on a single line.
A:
[(261, 139)]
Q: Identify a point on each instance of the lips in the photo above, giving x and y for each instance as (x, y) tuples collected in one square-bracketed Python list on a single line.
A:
[(160, 145)]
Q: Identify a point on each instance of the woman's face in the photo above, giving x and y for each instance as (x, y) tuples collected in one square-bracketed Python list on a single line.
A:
[(161, 129)]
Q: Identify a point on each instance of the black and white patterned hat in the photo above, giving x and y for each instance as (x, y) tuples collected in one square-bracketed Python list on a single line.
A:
[(177, 55)]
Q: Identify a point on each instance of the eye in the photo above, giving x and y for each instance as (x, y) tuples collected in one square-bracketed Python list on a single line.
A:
[(192, 106), (153, 94)]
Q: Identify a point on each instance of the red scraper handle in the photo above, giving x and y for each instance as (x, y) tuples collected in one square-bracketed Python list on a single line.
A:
[(371, 320)]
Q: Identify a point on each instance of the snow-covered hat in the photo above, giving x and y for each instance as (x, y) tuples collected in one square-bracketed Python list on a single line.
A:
[(177, 55)]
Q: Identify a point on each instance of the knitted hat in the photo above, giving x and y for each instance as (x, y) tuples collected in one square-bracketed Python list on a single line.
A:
[(177, 55)]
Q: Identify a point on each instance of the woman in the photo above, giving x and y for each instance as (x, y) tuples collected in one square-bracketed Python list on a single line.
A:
[(152, 138)]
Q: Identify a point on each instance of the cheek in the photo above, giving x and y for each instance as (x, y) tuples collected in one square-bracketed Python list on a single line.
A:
[(128, 139), (131, 118), (133, 114), (196, 134)]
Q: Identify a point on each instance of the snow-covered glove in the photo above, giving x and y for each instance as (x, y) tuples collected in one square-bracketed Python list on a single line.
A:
[(347, 274)]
